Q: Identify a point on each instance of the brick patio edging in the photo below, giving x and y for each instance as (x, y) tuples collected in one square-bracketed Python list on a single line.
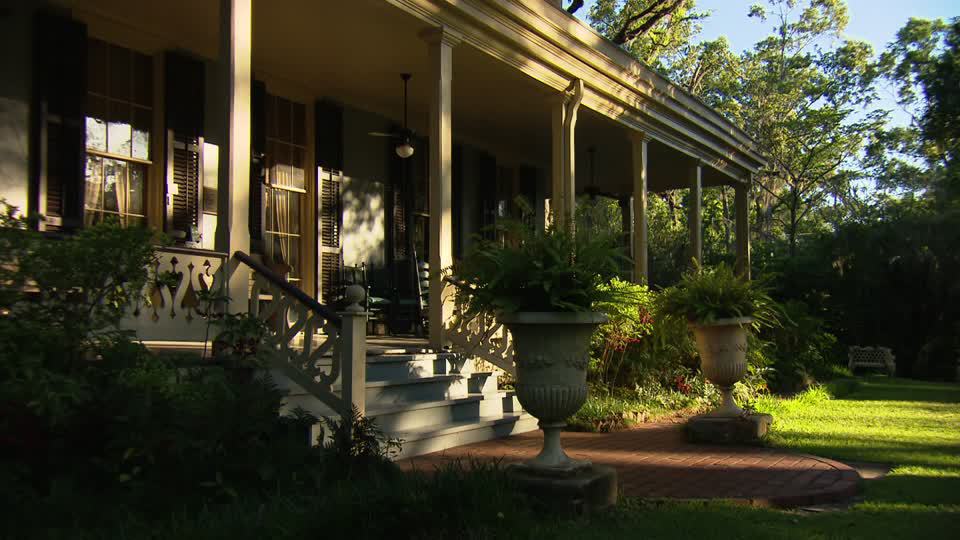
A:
[(654, 461)]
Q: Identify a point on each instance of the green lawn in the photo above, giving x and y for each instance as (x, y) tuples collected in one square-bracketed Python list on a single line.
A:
[(913, 426)]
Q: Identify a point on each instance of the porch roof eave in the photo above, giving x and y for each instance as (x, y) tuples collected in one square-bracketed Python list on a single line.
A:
[(551, 46)]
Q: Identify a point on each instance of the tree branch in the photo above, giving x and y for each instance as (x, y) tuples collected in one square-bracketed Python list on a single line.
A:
[(574, 6), (650, 16)]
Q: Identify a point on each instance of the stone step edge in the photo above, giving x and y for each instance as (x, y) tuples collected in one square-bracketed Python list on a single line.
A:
[(439, 430), (392, 382), (420, 405)]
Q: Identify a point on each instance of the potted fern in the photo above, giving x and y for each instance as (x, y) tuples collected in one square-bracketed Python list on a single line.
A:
[(543, 286), (719, 306)]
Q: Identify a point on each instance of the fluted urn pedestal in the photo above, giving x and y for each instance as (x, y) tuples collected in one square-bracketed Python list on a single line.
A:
[(722, 345), (552, 352), (723, 359)]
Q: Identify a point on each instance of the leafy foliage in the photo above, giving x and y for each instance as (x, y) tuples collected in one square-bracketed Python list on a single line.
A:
[(704, 295), (629, 321), (356, 443), (553, 270), (243, 341)]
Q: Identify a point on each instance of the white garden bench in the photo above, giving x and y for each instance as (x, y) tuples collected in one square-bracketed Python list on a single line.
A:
[(872, 357)]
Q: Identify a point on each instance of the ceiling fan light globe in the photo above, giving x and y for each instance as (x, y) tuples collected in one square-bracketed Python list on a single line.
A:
[(404, 150)]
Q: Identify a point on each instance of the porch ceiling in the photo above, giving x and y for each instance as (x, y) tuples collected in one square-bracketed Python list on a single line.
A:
[(353, 52)]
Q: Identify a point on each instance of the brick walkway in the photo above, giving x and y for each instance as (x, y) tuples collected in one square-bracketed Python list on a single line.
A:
[(655, 461)]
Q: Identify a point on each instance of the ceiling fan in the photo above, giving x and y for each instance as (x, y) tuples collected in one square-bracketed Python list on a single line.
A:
[(592, 190), (404, 147)]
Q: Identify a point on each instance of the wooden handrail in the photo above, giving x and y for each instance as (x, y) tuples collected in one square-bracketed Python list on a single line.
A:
[(286, 287)]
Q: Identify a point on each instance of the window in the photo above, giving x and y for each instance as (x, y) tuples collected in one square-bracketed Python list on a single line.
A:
[(118, 133), (286, 186)]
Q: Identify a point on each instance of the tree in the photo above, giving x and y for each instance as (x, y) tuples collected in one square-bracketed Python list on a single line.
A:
[(923, 63), (648, 29), (802, 100)]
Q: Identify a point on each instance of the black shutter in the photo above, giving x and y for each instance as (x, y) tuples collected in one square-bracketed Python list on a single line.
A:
[(184, 97), (57, 118), (488, 197), (330, 222), (528, 190), (258, 167), (329, 120)]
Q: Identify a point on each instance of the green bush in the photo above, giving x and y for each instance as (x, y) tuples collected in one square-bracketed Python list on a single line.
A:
[(707, 294), (615, 343), (527, 270), (92, 425)]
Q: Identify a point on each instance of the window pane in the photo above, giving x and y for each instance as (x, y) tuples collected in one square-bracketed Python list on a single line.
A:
[(114, 180), (299, 126), (142, 80), (97, 66), (283, 120), (138, 183), (96, 123), (293, 253), (271, 117), (142, 119), (93, 194), (297, 172), (119, 72), (294, 204), (118, 129)]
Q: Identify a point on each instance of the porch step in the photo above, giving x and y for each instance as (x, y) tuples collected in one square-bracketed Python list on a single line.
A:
[(422, 414), (381, 394), (430, 400), (442, 436), (412, 366)]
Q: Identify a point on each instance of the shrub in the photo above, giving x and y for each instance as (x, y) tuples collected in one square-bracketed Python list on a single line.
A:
[(553, 270), (629, 322), (92, 425), (704, 295)]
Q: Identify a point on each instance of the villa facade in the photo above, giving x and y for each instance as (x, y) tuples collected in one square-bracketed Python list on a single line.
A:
[(285, 130)]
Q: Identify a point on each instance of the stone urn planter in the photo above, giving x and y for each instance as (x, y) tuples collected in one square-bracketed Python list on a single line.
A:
[(552, 352), (723, 358)]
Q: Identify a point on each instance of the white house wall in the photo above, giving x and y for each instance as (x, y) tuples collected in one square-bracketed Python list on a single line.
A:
[(16, 38)]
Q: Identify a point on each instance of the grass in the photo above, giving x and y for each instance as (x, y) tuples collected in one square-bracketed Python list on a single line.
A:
[(913, 426), (604, 413), (909, 424)]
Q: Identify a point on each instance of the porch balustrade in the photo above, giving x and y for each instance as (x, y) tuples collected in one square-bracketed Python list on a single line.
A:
[(317, 348), (306, 334), (482, 337), (178, 296)]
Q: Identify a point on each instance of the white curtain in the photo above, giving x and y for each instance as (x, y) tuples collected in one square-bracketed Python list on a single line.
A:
[(93, 196), (123, 192)]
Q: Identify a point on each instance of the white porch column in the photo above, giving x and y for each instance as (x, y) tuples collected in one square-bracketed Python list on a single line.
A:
[(742, 211), (641, 271), (441, 44), (695, 212), (564, 126), (233, 227)]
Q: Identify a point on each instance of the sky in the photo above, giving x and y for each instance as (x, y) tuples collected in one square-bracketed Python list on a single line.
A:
[(874, 21)]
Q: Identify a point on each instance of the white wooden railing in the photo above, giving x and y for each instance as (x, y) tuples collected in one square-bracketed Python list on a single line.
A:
[(481, 337), (316, 346), (305, 333), (173, 306)]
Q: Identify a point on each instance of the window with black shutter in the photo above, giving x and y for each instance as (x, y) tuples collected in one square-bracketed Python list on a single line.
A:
[(119, 118), (330, 223), (285, 191), (184, 91), (58, 160)]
